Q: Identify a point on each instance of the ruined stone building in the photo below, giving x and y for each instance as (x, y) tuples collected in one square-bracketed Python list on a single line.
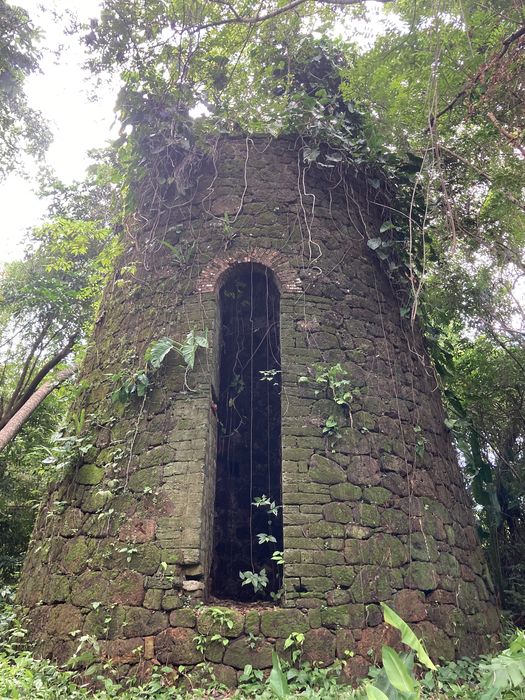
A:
[(309, 431)]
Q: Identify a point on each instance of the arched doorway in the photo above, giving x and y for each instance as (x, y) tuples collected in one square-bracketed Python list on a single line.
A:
[(248, 516)]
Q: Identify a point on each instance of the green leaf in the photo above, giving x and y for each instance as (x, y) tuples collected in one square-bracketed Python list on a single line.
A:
[(374, 243), (374, 693), (396, 671), (407, 636), (157, 351), (277, 679)]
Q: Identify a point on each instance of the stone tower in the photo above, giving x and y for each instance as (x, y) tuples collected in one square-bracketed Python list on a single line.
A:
[(310, 426)]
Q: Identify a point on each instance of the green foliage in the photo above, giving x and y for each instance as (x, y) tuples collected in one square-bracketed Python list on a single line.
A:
[(277, 679), (507, 670), (259, 581), (139, 382), (294, 643), (21, 127), (331, 427), (407, 636), (333, 381)]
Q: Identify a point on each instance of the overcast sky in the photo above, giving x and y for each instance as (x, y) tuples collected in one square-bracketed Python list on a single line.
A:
[(60, 92)]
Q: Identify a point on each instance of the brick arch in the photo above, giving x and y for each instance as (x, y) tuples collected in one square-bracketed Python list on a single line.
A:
[(285, 276)]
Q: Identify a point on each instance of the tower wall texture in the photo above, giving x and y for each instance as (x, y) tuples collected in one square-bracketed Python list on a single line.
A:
[(122, 546)]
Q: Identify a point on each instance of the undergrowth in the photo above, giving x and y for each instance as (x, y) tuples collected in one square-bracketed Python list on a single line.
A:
[(401, 677)]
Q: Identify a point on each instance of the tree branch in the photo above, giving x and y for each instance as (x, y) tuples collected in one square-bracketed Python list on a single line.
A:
[(514, 142), (40, 375), (14, 425), (25, 369), (239, 19), (481, 72), (485, 176)]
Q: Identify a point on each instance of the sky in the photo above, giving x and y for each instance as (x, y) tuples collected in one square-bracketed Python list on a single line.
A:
[(61, 92)]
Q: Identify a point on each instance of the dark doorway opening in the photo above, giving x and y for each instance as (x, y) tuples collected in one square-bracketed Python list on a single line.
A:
[(248, 531)]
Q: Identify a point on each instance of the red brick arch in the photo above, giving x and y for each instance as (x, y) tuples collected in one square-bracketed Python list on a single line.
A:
[(285, 276)]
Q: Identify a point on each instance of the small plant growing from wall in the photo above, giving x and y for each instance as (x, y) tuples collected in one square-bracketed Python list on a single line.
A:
[(259, 581), (334, 382), (138, 383)]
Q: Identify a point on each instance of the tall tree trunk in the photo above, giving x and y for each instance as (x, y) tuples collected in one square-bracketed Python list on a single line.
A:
[(24, 393), (13, 426)]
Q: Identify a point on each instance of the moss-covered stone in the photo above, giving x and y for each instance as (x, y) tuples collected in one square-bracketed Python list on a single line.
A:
[(423, 547), (325, 471), (323, 528), (367, 514), (176, 646), (319, 647), (153, 599), (146, 559), (372, 584), (242, 652), (95, 500), (64, 620), (184, 617), (75, 555), (220, 620), (282, 622), (56, 589), (105, 622), (422, 576), (345, 492), (343, 575), (337, 512), (140, 622), (171, 601), (343, 616), (144, 479), (377, 495), (89, 475)]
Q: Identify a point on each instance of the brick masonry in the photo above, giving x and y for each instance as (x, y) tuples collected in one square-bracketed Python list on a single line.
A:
[(121, 547)]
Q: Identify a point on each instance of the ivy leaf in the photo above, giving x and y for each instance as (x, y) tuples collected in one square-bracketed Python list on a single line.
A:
[(374, 243), (141, 384), (157, 351)]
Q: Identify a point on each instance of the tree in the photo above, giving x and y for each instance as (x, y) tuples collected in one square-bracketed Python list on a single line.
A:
[(22, 129), (48, 299)]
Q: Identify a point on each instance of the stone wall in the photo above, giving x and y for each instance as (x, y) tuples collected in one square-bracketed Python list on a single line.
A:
[(121, 548)]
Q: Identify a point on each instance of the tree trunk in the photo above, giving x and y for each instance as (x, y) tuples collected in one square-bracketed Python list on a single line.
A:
[(13, 426)]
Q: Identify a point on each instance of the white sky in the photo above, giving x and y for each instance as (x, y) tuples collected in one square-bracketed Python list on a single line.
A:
[(60, 92)]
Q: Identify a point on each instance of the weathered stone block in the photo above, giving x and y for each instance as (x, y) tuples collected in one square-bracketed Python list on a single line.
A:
[(184, 617), (281, 622), (89, 475), (319, 647), (337, 513), (325, 471), (220, 620), (422, 576), (177, 646), (240, 652), (346, 492), (351, 616)]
